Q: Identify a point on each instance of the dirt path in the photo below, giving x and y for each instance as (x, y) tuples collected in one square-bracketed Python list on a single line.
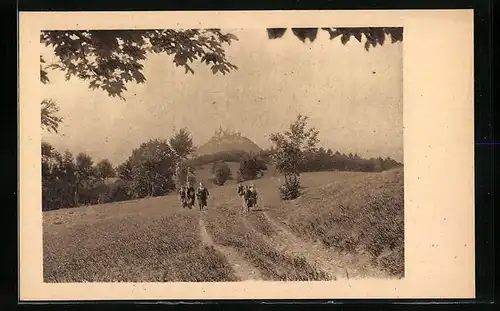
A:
[(315, 254), (244, 271), (284, 241)]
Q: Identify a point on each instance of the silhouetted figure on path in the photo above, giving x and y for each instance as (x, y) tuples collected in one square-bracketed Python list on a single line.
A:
[(202, 194)]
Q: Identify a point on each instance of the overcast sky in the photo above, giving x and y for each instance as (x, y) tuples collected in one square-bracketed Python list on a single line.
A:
[(352, 96)]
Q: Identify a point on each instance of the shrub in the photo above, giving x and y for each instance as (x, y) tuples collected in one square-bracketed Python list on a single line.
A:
[(221, 172), (290, 190), (250, 167), (292, 146)]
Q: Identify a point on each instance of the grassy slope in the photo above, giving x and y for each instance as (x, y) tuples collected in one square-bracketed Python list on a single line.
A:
[(139, 241), (155, 240), (361, 215)]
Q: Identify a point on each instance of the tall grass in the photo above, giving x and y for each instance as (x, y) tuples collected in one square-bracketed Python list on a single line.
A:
[(133, 249), (154, 240), (363, 215)]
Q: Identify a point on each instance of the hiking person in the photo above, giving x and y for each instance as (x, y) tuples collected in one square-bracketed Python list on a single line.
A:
[(202, 195), (248, 195), (253, 192), (190, 195), (241, 188), (252, 189), (241, 194), (182, 196)]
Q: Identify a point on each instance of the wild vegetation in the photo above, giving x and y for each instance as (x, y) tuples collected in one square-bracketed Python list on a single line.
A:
[(159, 166), (344, 225), (129, 248), (251, 167), (289, 157), (153, 169), (341, 224), (337, 224), (364, 214), (222, 173)]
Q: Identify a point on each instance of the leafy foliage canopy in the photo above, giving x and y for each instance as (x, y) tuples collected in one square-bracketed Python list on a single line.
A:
[(373, 35), (108, 59), (50, 121), (182, 143), (290, 150)]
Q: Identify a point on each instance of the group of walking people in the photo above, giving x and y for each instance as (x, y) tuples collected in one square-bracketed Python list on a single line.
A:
[(188, 195), (249, 195)]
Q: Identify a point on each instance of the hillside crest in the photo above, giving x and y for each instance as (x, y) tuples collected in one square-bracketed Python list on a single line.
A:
[(227, 140)]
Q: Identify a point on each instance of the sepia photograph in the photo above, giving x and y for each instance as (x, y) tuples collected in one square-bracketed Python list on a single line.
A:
[(246, 155), (217, 155)]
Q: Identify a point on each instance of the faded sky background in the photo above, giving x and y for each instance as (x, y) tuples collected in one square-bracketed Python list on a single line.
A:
[(352, 96)]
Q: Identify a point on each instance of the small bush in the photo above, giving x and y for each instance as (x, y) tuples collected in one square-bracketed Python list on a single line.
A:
[(250, 167), (222, 173), (290, 190)]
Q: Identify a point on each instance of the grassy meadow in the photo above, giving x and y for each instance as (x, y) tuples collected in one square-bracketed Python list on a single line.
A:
[(345, 225)]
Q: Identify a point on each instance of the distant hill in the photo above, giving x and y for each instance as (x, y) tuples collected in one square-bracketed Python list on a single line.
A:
[(225, 140)]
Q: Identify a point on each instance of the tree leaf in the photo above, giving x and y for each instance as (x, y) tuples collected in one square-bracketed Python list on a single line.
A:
[(44, 76), (396, 34), (334, 33), (188, 69), (305, 33), (345, 38), (367, 45), (358, 35), (275, 33), (232, 37), (380, 36)]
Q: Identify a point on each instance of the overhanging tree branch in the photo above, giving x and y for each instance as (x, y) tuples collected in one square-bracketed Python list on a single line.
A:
[(49, 120), (373, 35), (108, 59)]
